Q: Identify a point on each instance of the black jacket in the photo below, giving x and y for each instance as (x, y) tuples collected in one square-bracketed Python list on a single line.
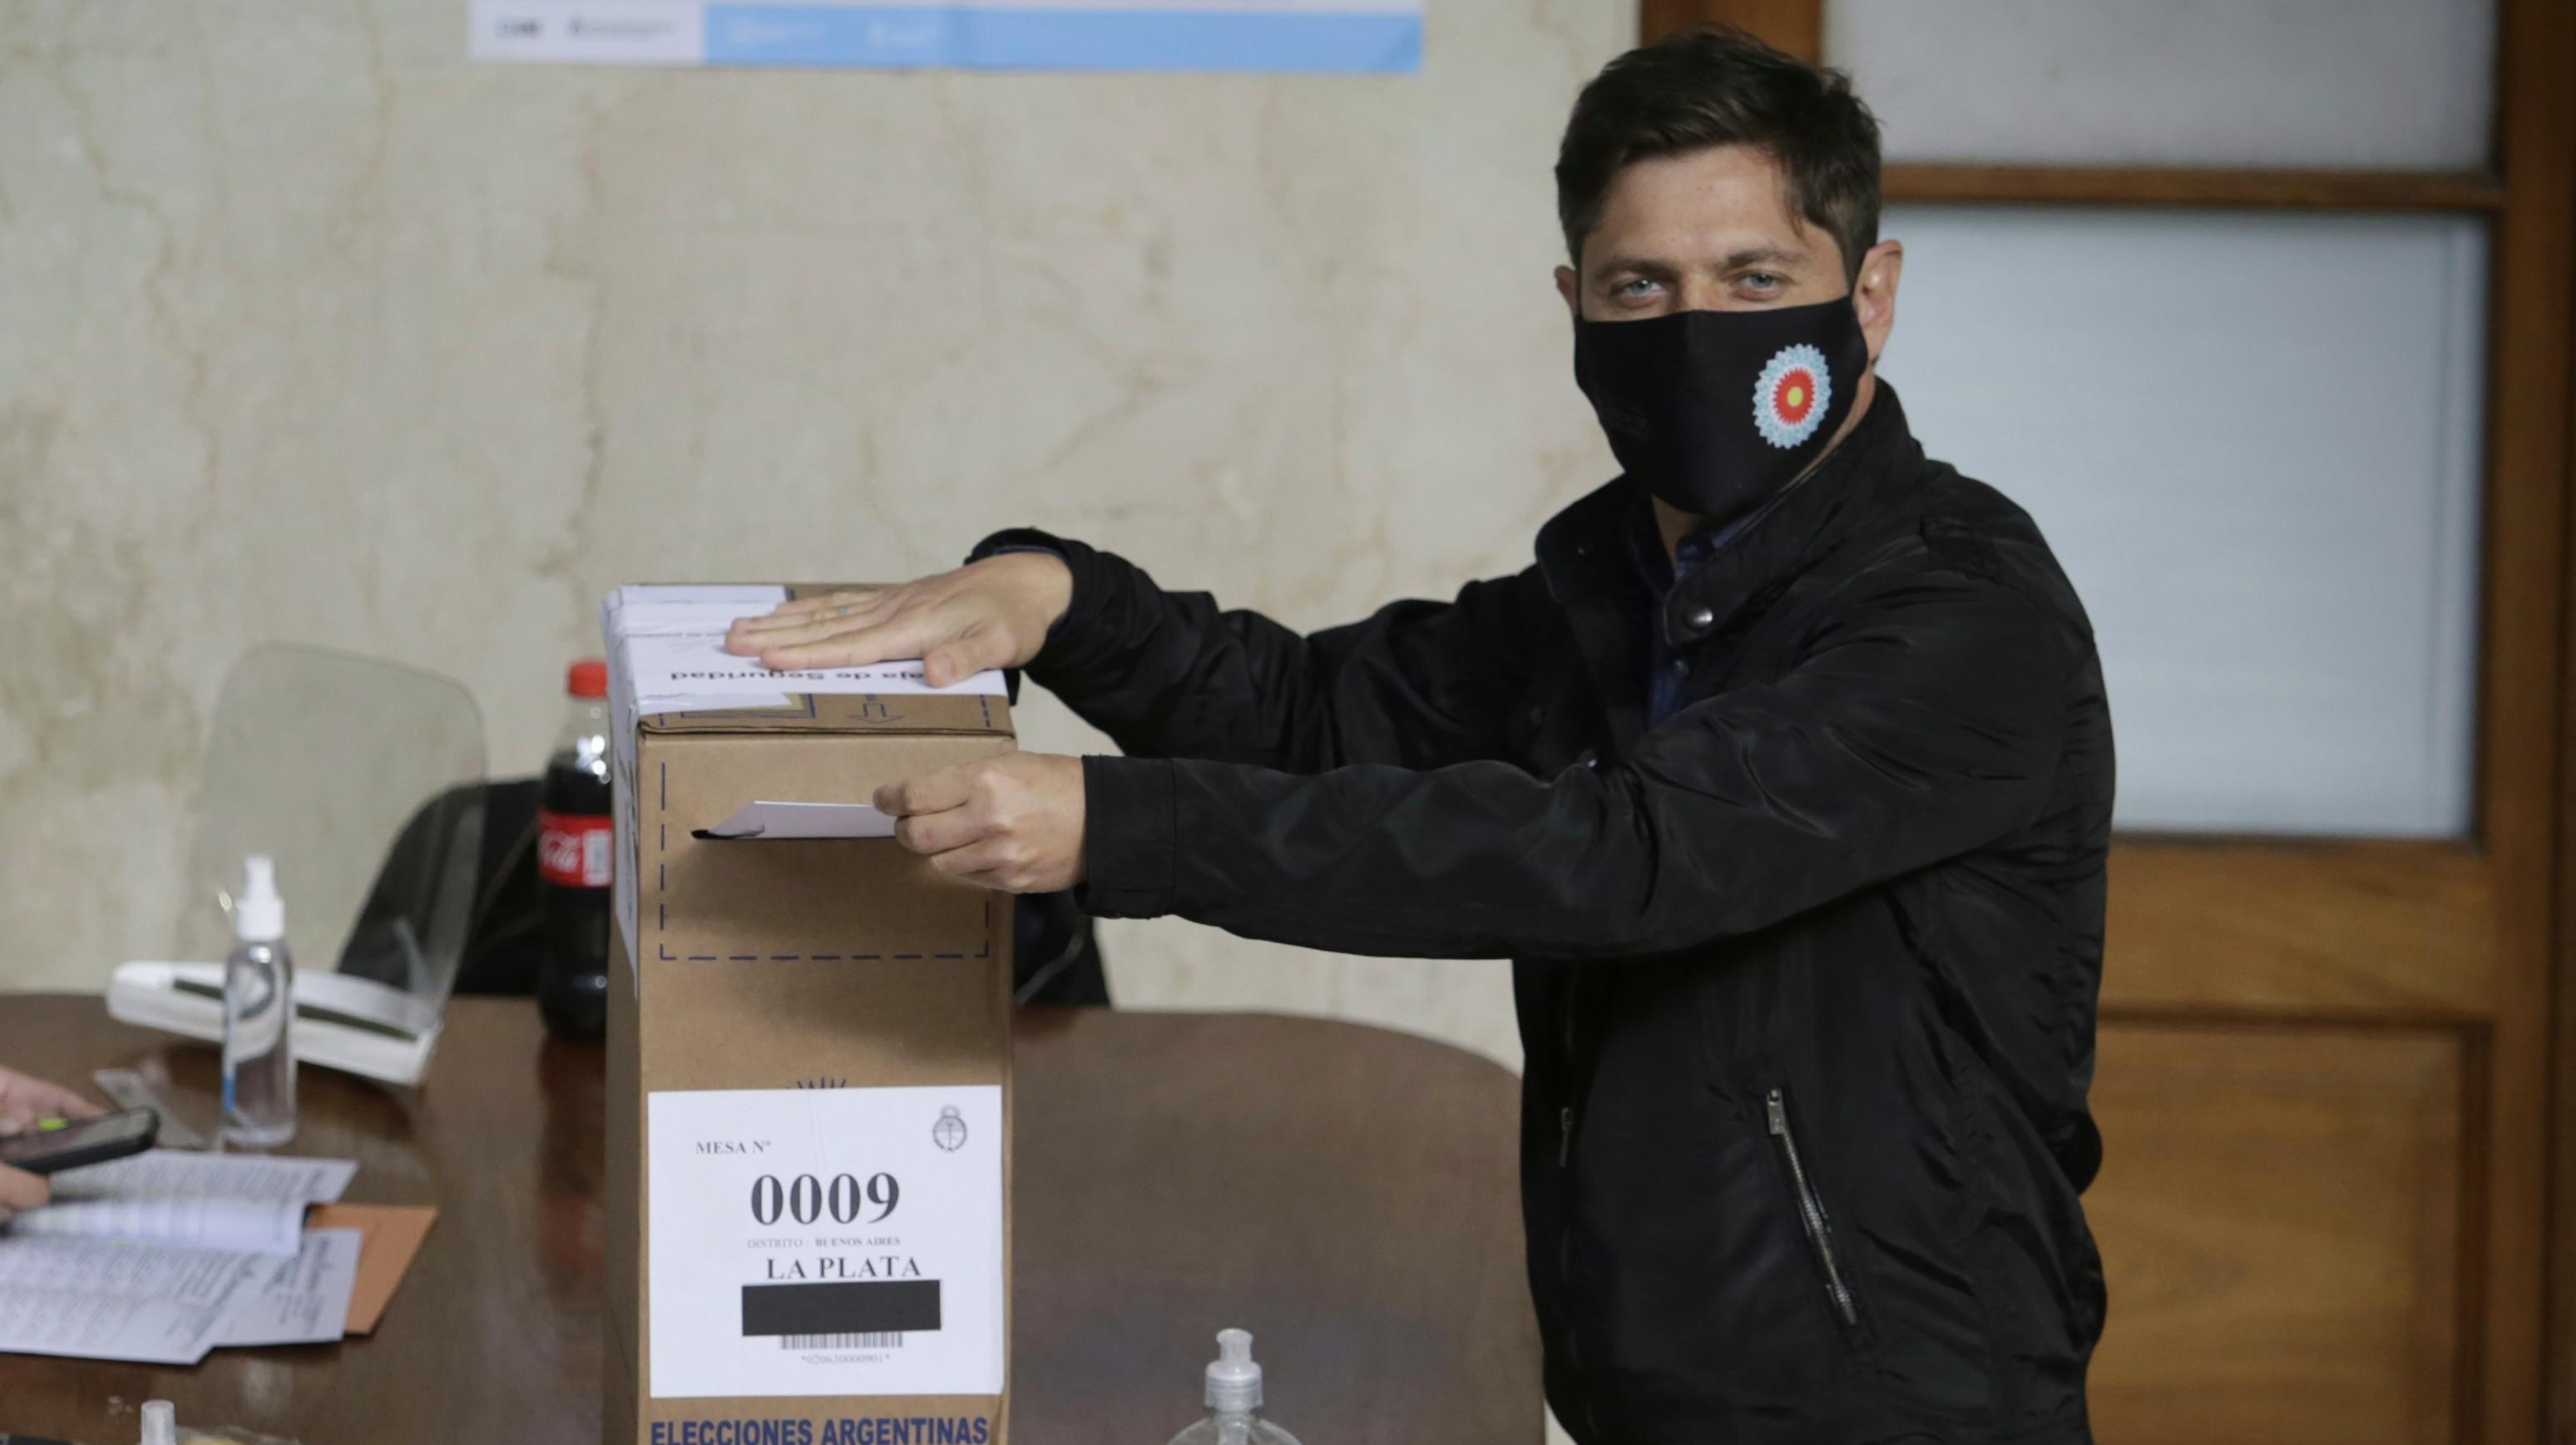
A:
[(1806, 974)]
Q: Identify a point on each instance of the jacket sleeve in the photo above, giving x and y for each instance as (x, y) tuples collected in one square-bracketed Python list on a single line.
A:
[(1168, 675), (1925, 725)]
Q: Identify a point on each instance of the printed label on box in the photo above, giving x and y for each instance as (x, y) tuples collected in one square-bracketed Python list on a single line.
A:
[(825, 1241)]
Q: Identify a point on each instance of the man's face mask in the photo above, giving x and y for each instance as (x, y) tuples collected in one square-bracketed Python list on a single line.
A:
[(1718, 412)]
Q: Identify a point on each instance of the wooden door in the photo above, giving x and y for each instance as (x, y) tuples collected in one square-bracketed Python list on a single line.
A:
[(2325, 1067)]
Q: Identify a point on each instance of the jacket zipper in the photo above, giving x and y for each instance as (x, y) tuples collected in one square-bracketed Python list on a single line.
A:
[(1565, 1114), (1810, 1209), (1573, 1069)]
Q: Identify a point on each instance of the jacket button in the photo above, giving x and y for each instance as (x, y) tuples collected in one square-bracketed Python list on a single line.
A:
[(1701, 618)]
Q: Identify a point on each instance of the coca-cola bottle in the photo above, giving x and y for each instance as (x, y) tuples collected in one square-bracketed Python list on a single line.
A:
[(574, 854)]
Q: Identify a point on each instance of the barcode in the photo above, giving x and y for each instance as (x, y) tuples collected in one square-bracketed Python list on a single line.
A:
[(841, 1342)]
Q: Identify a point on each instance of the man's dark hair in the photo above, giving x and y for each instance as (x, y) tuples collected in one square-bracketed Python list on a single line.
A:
[(1713, 85)]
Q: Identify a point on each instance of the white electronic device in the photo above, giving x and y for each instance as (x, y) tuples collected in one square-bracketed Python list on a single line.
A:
[(352, 1024)]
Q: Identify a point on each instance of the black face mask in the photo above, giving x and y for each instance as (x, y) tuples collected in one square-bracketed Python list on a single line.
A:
[(1717, 412)]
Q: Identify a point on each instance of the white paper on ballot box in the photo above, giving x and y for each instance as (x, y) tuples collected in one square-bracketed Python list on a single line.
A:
[(772, 821), (824, 1241), (672, 640)]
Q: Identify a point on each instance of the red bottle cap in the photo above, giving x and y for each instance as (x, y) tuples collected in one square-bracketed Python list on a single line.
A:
[(588, 678)]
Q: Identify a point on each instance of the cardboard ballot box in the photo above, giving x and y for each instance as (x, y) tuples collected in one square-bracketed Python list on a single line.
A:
[(809, 1053)]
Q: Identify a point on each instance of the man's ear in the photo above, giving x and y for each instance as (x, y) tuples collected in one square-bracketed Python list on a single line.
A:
[(1874, 294), (1570, 286)]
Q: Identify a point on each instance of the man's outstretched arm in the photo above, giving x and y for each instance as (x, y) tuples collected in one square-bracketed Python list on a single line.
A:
[(1170, 674), (1930, 724)]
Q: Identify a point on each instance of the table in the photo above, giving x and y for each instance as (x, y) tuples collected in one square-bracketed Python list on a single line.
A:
[(1346, 1193)]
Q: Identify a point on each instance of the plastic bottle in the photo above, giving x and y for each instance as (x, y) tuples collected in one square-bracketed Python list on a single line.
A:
[(259, 1007), (159, 1425), (574, 856), (1234, 1399)]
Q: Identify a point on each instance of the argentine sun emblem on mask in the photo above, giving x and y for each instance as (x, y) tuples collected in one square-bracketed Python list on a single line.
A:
[(1792, 395)]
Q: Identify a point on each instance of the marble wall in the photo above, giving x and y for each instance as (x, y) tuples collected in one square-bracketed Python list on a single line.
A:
[(311, 330)]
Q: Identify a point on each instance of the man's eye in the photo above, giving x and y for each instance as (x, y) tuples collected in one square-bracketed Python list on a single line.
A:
[(1763, 280), (1634, 286)]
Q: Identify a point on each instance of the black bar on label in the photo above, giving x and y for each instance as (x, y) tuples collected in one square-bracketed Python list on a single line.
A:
[(855, 1307)]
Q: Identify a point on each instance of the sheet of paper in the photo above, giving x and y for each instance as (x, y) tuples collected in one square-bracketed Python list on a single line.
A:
[(666, 668), (271, 1227), (391, 1237), (702, 594), (176, 1174), (645, 611), (672, 641), (804, 820), (98, 1300), (205, 1201), (302, 1299)]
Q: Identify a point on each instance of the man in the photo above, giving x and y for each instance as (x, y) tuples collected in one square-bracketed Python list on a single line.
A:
[(1785, 775)]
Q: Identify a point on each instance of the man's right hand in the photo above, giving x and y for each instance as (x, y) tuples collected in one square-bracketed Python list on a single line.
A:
[(992, 613)]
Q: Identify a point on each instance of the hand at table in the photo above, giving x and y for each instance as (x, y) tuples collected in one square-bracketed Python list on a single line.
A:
[(1012, 823), (24, 1101), (993, 613)]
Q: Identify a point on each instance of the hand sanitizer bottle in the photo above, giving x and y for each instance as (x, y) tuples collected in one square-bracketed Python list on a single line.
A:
[(1234, 1400), (259, 1011)]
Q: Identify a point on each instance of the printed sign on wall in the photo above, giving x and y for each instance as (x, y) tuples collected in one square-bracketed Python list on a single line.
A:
[(1364, 36)]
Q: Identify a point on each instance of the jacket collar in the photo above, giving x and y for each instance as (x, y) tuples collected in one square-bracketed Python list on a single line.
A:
[(1855, 482)]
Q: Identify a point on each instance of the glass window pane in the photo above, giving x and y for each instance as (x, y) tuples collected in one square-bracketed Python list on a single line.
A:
[(2380, 84), (2253, 440)]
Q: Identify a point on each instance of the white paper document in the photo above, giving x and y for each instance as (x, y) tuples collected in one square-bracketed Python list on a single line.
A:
[(662, 611), (673, 659), (101, 1300), (238, 1202), (243, 1226), (805, 820), (825, 1241), (182, 1174), (668, 668), (299, 1300)]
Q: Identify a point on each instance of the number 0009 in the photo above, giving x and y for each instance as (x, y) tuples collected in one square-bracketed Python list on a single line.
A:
[(806, 1199)]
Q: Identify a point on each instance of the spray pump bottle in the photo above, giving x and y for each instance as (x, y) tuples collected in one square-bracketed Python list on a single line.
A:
[(1234, 1400), (259, 1014)]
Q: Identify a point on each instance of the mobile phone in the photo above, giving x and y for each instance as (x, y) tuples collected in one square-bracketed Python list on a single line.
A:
[(71, 1144)]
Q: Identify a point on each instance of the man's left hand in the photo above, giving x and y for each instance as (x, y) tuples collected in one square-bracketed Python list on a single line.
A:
[(1012, 823)]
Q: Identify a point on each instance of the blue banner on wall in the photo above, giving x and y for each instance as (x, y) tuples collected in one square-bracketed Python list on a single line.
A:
[(1345, 36)]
